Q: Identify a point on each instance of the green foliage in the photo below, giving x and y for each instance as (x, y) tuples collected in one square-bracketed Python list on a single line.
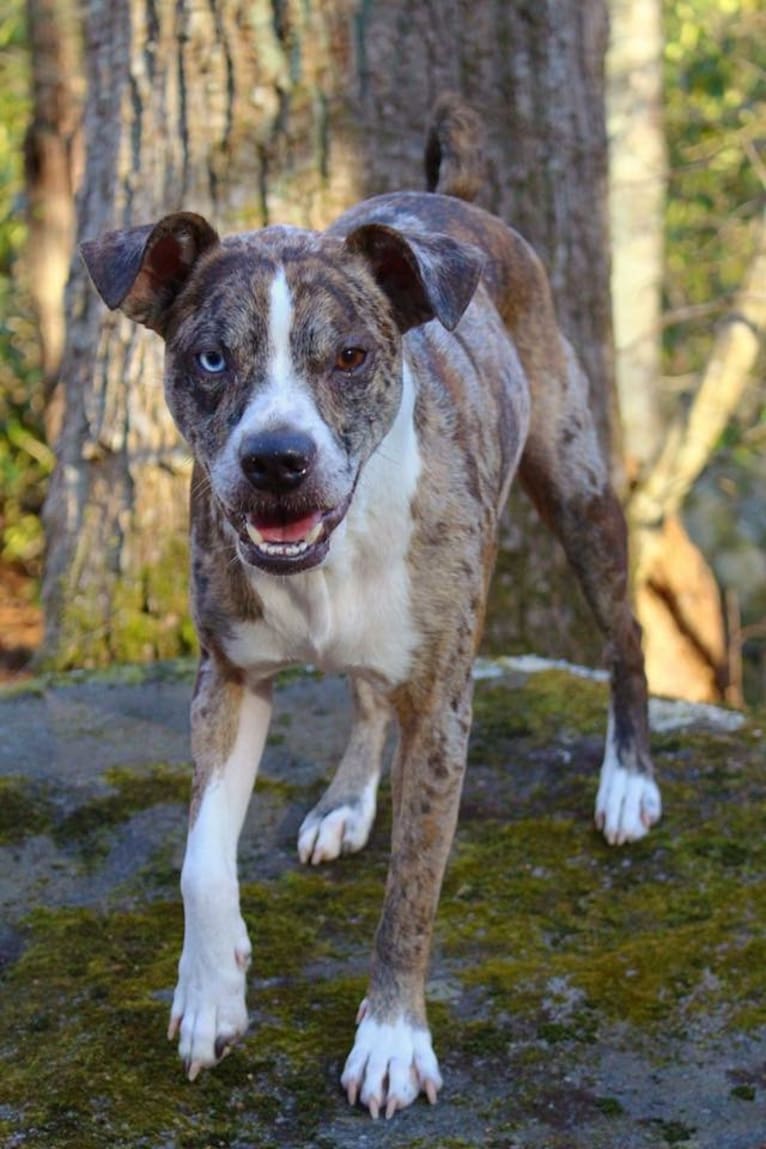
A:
[(25, 461), (715, 94)]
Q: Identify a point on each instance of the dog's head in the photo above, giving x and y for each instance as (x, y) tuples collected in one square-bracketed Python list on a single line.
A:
[(283, 366)]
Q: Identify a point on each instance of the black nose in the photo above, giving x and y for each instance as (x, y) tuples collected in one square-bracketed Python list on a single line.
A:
[(277, 460)]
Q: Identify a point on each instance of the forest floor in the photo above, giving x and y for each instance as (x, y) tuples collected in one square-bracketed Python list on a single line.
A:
[(580, 996)]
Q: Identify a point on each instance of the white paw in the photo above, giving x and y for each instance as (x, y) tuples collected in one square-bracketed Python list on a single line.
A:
[(389, 1065), (209, 1011), (326, 834), (627, 805)]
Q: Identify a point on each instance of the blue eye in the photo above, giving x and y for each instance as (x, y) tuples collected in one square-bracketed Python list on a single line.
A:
[(211, 362)]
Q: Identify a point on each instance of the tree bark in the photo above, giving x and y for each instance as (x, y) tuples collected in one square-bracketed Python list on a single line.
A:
[(284, 112), (52, 169), (637, 183)]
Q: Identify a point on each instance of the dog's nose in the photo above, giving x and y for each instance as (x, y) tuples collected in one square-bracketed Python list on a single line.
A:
[(277, 460)]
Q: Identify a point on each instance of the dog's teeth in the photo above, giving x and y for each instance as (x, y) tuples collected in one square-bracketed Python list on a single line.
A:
[(253, 532), (314, 534), (289, 549)]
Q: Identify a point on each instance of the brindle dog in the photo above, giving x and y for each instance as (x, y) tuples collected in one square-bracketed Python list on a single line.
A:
[(357, 403)]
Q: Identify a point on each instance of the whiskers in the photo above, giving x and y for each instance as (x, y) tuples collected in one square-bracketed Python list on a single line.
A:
[(234, 560), (199, 482)]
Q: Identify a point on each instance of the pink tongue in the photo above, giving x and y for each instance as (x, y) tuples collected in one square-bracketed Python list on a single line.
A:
[(291, 532)]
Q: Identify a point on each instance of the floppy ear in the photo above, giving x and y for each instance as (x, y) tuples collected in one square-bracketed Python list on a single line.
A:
[(424, 276), (140, 270)]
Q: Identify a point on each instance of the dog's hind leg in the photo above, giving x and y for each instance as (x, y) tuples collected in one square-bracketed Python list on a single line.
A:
[(341, 821), (565, 475)]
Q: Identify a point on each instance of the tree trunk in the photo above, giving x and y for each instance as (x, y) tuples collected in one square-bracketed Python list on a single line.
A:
[(637, 182), (281, 111), (52, 166)]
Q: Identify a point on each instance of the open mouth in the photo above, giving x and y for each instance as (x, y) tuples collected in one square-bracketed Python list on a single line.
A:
[(284, 544)]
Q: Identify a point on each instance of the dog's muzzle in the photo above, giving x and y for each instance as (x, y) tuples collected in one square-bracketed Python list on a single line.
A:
[(285, 528)]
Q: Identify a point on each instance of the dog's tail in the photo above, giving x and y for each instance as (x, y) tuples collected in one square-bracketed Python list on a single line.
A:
[(454, 156)]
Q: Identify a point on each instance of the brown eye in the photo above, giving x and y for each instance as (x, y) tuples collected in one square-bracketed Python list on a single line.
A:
[(350, 358)]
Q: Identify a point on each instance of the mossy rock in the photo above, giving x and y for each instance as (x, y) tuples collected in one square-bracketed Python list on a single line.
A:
[(580, 996)]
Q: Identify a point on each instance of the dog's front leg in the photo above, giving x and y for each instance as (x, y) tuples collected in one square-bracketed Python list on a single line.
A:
[(341, 821), (229, 726), (392, 1060)]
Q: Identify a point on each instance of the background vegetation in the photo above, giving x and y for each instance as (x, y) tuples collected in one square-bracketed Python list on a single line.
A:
[(715, 122), (715, 86), (25, 460)]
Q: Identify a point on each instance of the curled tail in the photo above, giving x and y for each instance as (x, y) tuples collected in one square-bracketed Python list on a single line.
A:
[(454, 156)]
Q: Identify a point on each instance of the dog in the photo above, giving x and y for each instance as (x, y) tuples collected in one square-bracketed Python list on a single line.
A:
[(357, 403)]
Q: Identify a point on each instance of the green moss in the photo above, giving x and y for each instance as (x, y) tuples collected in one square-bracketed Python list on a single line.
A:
[(85, 1010), (89, 826), (743, 1092), (550, 705), (654, 936), (652, 939), (609, 1106), (25, 809), (481, 1038), (130, 619), (673, 1132), (83, 1028), (28, 808), (122, 674), (581, 1027), (278, 788)]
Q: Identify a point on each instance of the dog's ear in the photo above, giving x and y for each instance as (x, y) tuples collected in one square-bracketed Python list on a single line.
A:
[(140, 270), (424, 276)]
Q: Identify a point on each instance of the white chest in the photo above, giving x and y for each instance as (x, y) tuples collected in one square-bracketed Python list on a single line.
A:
[(338, 619)]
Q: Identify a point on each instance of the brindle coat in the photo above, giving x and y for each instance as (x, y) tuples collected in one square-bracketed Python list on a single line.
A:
[(448, 303)]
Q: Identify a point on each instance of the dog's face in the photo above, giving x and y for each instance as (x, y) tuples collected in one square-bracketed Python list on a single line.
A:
[(283, 373), (283, 363)]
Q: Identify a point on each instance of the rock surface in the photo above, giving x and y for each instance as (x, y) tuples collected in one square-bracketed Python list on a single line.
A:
[(580, 996)]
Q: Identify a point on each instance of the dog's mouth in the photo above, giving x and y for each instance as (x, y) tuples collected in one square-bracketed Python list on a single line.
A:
[(281, 542)]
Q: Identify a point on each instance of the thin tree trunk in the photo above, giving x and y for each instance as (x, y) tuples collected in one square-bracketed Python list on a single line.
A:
[(53, 166), (637, 183)]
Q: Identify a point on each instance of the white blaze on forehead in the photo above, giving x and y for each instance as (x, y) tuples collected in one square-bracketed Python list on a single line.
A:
[(283, 396), (280, 325)]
